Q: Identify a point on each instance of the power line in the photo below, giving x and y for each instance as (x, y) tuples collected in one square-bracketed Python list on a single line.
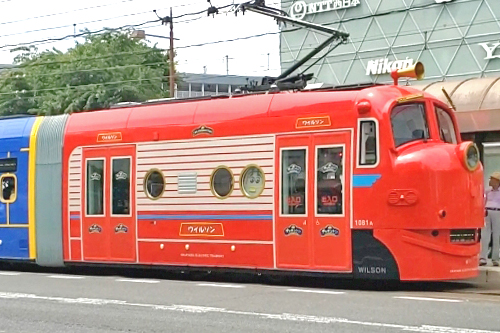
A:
[(96, 69), (62, 13), (158, 78), (70, 25), (137, 52), (98, 31), (93, 21), (77, 35)]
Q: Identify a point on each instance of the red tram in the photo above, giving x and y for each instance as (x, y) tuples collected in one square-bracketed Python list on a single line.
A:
[(370, 182)]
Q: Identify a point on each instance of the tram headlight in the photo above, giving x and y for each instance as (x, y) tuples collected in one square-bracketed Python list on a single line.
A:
[(469, 155)]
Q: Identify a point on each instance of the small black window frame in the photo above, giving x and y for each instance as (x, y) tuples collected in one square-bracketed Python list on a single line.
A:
[(146, 178), (12, 198), (212, 182), (360, 143)]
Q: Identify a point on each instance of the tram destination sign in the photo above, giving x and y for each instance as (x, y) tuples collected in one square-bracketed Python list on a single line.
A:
[(8, 164), (300, 8)]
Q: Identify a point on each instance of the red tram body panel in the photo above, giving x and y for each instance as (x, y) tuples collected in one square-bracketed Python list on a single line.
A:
[(372, 183)]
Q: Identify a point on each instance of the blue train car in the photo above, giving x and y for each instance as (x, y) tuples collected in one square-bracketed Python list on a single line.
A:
[(17, 145)]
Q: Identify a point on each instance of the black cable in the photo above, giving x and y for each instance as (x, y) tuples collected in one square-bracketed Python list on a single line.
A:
[(62, 13), (78, 35), (98, 31)]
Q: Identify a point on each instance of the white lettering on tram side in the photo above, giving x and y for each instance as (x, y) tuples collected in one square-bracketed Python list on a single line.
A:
[(363, 223), (372, 270)]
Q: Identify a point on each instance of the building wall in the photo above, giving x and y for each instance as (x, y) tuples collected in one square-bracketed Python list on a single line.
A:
[(455, 39)]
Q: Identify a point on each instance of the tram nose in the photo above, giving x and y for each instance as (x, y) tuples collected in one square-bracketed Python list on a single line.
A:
[(438, 187), (457, 179)]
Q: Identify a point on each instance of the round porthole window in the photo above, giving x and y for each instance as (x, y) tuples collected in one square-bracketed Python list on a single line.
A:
[(154, 184), (252, 181), (222, 182)]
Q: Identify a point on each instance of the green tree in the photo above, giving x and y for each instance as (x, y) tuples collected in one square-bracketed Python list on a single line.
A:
[(105, 69)]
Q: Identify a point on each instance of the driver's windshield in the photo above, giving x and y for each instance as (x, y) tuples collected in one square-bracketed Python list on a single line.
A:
[(409, 123)]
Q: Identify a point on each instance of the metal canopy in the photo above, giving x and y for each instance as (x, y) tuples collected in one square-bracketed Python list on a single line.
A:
[(477, 102)]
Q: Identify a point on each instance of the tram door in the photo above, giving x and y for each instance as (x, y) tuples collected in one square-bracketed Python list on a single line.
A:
[(108, 201), (313, 211)]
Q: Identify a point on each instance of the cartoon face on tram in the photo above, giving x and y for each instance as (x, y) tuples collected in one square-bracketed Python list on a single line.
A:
[(373, 183)]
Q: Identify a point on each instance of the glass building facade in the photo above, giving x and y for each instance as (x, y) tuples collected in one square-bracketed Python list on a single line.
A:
[(455, 39)]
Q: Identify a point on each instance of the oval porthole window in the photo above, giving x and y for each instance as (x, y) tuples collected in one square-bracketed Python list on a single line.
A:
[(222, 182), (154, 184), (252, 181)]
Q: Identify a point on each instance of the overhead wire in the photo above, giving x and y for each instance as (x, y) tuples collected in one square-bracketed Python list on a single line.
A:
[(229, 40), (21, 68), (55, 39), (158, 78), (93, 21), (62, 13)]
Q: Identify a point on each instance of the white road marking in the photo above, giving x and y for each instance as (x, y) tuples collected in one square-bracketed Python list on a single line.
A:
[(317, 291), (138, 280), (220, 285), (430, 299), (9, 274), (275, 316), (69, 277)]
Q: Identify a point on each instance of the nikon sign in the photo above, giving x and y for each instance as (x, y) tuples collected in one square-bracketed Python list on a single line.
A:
[(384, 66), (300, 8)]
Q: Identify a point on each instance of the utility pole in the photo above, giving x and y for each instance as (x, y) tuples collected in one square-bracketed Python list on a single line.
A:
[(227, 64), (171, 71)]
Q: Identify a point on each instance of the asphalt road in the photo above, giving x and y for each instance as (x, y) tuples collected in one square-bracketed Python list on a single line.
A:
[(41, 301)]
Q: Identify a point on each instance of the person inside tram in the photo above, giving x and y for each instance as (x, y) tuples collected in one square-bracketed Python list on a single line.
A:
[(8, 188)]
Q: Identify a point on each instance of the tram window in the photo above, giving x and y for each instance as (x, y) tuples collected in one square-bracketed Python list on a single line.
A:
[(293, 182), (154, 184), (329, 180), (222, 182), (9, 188), (367, 143), (252, 181), (446, 128), (95, 187), (409, 123), (120, 191)]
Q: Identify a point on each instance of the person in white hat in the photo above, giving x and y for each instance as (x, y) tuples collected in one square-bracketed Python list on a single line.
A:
[(492, 222)]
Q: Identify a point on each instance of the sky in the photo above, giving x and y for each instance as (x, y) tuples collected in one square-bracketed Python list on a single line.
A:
[(28, 21)]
